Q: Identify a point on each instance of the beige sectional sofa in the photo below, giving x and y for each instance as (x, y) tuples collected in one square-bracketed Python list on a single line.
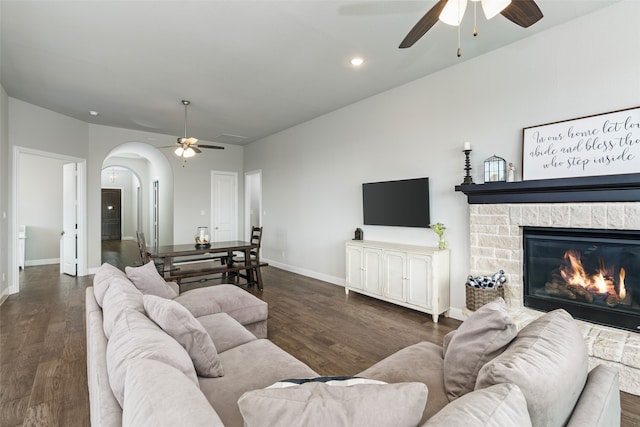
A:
[(202, 358)]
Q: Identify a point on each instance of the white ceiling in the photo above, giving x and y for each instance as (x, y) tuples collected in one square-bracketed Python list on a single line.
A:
[(249, 68)]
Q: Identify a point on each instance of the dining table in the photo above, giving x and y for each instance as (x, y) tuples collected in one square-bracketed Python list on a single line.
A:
[(202, 258)]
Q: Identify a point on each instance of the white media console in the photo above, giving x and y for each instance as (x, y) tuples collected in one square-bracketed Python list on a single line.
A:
[(416, 277)]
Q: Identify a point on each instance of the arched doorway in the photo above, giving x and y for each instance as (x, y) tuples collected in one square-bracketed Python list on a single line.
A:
[(141, 179)]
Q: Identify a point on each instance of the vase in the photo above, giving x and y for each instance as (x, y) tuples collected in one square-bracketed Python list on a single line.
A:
[(202, 236), (442, 244)]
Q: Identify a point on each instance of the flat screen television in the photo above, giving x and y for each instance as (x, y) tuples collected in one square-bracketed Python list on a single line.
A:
[(403, 203)]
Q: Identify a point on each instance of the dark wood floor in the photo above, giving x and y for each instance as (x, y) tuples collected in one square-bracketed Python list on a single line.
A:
[(43, 353)]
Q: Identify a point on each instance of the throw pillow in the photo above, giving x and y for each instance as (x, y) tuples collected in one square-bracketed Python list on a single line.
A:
[(149, 281), (480, 338), (497, 406), (120, 295), (103, 278), (445, 342), (178, 322), (335, 381), (548, 361), (155, 390), (135, 336), (317, 403)]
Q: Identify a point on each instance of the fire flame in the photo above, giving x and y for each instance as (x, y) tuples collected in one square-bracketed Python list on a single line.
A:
[(601, 282)]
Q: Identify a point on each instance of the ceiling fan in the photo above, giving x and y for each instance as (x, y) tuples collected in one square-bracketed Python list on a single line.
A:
[(521, 12), (187, 145)]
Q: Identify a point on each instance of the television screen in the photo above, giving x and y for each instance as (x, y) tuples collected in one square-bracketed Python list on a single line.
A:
[(402, 203)]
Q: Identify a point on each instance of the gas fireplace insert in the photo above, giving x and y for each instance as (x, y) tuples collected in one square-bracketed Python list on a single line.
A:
[(593, 274)]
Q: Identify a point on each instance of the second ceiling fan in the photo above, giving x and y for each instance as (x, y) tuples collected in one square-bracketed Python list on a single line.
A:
[(188, 146), (521, 12)]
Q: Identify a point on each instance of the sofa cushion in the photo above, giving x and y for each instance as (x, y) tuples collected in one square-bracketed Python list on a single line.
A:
[(225, 331), (120, 295), (548, 361), (155, 390), (149, 281), (102, 280), (135, 336), (254, 365), (230, 299), (419, 362), (497, 406), (334, 404), (481, 337), (179, 323)]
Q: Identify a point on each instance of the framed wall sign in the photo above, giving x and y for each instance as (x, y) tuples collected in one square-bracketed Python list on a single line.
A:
[(603, 144)]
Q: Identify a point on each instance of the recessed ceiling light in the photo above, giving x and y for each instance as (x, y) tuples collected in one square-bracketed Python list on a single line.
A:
[(356, 62), (93, 113)]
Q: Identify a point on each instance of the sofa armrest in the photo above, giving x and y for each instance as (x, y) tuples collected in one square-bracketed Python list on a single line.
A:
[(599, 403), (104, 409)]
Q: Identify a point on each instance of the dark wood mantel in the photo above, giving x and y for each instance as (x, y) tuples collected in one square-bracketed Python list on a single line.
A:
[(609, 188)]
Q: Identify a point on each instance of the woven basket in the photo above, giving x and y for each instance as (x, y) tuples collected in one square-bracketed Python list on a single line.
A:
[(477, 297)]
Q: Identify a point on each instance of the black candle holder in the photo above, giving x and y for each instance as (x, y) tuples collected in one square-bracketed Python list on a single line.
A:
[(467, 168)]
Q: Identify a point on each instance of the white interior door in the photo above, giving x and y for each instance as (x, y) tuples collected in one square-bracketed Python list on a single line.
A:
[(224, 206), (69, 239)]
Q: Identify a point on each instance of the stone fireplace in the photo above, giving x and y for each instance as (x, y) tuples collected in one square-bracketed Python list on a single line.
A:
[(499, 212)]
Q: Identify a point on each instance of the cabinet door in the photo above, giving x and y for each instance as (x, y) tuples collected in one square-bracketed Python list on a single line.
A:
[(394, 277), (419, 286), (372, 270), (354, 267)]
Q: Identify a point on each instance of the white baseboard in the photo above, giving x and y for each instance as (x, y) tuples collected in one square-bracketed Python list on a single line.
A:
[(4, 295), (309, 273), (35, 262), (457, 313)]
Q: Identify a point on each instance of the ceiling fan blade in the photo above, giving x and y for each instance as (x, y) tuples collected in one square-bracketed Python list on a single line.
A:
[(196, 149), (423, 25), (523, 12), (214, 147)]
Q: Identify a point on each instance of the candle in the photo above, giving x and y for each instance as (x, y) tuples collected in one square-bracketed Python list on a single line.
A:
[(467, 145)]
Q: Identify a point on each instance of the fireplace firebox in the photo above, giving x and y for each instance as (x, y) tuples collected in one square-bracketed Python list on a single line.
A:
[(593, 274)]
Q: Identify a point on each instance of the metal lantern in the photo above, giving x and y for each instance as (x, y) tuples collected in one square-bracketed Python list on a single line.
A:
[(495, 169)]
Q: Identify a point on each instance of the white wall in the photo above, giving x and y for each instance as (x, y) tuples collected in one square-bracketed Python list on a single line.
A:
[(40, 207), (4, 193), (192, 189), (312, 173), (187, 188), (37, 128), (59, 134)]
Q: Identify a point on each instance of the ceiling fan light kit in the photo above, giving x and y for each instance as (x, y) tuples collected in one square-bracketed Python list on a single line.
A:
[(493, 7), (521, 12), (187, 145), (186, 153), (453, 12)]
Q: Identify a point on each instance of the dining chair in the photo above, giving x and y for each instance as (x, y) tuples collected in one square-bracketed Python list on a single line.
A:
[(144, 254), (142, 247), (253, 263)]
